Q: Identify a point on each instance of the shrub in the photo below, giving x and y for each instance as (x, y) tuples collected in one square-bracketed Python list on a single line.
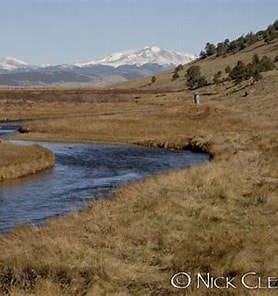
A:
[(255, 59), (252, 71), (271, 33), (251, 38), (238, 73), (179, 68), (202, 81), (243, 72), (153, 79), (266, 64), (175, 76), (216, 78), (228, 69)]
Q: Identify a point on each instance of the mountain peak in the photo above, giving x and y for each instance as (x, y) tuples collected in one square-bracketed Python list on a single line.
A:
[(153, 48), (10, 63), (139, 57)]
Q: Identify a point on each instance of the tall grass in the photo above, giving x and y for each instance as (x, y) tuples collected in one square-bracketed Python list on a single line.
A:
[(20, 160)]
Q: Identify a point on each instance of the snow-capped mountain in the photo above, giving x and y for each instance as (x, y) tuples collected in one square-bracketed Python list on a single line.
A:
[(135, 57), (10, 63), (139, 57), (115, 67)]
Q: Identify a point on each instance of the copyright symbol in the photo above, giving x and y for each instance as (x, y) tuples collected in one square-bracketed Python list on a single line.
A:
[(181, 280)]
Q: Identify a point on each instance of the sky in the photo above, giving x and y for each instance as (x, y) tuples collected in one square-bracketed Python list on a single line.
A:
[(66, 31)]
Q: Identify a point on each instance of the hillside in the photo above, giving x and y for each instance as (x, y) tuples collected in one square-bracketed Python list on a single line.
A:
[(209, 67)]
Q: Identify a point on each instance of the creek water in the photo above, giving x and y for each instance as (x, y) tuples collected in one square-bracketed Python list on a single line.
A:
[(82, 172)]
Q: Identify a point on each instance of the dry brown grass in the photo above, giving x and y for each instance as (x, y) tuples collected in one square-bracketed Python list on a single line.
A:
[(19, 160), (22, 104), (219, 218)]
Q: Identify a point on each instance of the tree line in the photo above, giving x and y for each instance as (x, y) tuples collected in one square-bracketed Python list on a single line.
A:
[(230, 47), (240, 72)]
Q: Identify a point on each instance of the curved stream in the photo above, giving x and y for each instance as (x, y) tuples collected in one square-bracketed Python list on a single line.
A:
[(81, 172)]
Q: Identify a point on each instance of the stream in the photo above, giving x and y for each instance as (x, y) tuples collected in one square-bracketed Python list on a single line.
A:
[(82, 172)]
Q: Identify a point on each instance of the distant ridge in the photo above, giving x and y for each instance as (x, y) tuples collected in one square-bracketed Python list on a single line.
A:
[(113, 68)]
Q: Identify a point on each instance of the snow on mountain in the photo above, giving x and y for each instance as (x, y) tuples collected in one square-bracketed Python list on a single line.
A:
[(10, 63), (139, 57), (119, 66)]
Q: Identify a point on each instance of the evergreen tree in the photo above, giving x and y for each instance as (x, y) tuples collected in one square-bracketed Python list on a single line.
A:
[(210, 49), (202, 54), (233, 46), (153, 79), (275, 25), (238, 72), (221, 49), (194, 78), (243, 72), (241, 43)]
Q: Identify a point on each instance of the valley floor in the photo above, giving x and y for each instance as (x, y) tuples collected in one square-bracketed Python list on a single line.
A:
[(219, 218)]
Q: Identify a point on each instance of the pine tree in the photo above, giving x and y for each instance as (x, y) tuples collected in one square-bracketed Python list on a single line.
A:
[(153, 79), (194, 78), (210, 49)]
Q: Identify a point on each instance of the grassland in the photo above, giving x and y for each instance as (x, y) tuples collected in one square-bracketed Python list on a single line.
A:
[(19, 160), (219, 218)]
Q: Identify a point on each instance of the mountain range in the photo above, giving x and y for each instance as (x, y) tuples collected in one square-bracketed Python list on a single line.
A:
[(112, 68)]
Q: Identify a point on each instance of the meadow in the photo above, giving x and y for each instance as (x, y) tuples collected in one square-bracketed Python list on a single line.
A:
[(219, 218), (19, 160)]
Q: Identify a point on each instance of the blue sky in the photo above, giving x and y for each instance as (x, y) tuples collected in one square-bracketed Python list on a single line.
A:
[(65, 31)]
